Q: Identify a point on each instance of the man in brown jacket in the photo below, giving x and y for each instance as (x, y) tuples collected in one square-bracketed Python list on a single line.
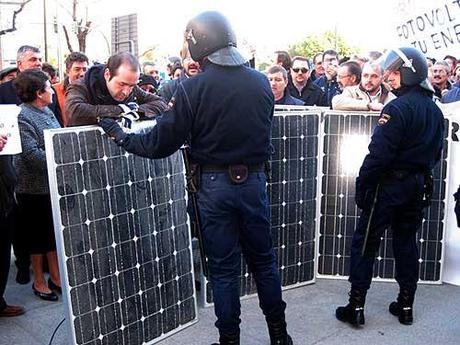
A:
[(76, 65), (110, 90)]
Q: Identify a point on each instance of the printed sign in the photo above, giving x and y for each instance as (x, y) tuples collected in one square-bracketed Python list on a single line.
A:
[(432, 26), (9, 127)]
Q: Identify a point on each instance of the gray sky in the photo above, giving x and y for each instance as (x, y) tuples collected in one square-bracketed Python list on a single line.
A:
[(267, 25)]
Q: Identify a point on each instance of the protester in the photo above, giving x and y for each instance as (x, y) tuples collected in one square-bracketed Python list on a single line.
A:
[(328, 82), (110, 90), (300, 86), (76, 65), (28, 57), (371, 94), (278, 78), (35, 213), (8, 179), (8, 73)]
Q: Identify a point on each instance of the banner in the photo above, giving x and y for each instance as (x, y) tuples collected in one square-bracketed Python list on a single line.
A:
[(433, 26), (9, 127)]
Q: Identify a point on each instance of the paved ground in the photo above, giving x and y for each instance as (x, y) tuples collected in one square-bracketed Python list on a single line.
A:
[(310, 317)]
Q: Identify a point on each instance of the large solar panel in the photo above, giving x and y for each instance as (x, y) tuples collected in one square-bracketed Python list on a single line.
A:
[(292, 194), (123, 240), (345, 140)]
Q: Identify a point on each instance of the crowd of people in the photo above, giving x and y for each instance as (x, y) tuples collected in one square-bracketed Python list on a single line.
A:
[(197, 87)]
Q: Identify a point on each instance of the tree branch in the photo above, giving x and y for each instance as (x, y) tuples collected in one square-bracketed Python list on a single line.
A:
[(67, 38), (15, 14)]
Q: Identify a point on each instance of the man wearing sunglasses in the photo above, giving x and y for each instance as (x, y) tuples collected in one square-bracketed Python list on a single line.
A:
[(300, 86)]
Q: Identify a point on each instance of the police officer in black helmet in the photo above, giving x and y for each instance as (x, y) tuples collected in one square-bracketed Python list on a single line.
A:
[(225, 113), (393, 185)]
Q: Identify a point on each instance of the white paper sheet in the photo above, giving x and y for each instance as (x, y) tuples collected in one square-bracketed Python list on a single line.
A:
[(9, 127)]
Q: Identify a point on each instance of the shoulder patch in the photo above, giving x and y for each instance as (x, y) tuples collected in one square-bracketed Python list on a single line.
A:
[(383, 120)]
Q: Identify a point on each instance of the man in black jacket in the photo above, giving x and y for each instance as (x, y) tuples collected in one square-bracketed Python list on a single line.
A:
[(300, 86), (28, 57), (278, 78), (7, 183)]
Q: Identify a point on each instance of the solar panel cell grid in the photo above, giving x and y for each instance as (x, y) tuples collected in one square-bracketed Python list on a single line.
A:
[(125, 240)]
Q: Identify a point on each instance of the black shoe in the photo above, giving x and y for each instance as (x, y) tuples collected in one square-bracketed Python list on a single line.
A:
[(53, 286), (285, 340), (278, 332), (402, 307), (23, 276), (353, 312), (47, 296)]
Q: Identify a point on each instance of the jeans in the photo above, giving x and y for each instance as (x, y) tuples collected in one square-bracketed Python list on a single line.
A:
[(399, 205), (235, 219)]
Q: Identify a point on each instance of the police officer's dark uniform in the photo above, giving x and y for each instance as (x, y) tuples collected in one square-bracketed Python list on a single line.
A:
[(405, 146), (227, 112)]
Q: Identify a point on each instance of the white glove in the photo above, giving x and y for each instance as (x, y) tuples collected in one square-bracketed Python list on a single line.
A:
[(129, 114)]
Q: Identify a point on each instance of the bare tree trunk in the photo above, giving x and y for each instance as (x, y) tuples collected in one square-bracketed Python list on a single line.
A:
[(15, 14)]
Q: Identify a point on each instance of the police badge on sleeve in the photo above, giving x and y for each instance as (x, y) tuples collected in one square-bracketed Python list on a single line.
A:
[(383, 120)]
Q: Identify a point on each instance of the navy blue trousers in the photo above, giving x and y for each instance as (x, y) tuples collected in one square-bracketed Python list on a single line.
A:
[(7, 224), (234, 219), (399, 205)]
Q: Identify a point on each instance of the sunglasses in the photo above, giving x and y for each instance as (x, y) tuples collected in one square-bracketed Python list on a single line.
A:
[(303, 70)]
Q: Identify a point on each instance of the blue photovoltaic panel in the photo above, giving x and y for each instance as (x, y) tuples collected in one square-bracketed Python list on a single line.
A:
[(345, 140), (292, 194), (123, 240)]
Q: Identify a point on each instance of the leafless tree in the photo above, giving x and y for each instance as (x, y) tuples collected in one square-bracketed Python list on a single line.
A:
[(15, 14), (81, 29)]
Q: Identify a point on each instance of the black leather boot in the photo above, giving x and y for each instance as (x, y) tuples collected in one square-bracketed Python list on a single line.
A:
[(225, 339), (278, 332), (402, 308), (353, 312)]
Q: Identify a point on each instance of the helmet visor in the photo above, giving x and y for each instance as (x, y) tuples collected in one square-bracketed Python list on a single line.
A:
[(394, 59)]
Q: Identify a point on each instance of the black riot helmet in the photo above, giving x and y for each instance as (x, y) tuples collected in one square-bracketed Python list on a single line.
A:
[(412, 65), (210, 35)]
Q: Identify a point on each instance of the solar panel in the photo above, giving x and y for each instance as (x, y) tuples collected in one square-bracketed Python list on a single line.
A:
[(292, 194), (345, 140), (123, 240)]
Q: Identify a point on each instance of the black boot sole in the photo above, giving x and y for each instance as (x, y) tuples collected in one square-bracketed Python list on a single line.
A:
[(354, 317), (405, 318)]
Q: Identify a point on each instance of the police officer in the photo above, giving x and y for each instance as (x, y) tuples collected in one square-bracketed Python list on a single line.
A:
[(225, 112), (393, 179)]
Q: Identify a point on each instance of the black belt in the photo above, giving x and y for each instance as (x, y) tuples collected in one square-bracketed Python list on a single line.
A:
[(400, 174), (222, 167)]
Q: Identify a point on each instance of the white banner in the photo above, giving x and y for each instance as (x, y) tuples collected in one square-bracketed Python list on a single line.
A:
[(451, 273), (9, 127), (433, 26)]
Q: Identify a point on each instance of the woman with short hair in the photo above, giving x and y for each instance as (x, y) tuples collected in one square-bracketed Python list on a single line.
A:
[(34, 90)]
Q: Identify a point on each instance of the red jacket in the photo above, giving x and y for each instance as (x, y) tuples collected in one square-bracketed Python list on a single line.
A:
[(60, 89)]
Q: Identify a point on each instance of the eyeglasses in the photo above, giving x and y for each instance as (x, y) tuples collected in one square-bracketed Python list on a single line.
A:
[(303, 70), (343, 76)]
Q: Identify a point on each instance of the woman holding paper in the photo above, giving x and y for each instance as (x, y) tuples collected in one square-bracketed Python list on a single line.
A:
[(34, 90)]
